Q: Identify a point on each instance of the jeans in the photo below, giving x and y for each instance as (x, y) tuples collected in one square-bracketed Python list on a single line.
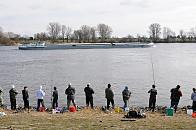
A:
[(125, 103)]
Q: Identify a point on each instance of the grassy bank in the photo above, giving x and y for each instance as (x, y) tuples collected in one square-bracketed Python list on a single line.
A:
[(94, 119)]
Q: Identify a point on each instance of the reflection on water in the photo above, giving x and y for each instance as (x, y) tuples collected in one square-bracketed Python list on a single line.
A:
[(173, 63)]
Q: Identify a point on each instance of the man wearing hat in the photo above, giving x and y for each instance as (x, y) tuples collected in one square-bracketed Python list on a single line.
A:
[(126, 96), (89, 95), (13, 94)]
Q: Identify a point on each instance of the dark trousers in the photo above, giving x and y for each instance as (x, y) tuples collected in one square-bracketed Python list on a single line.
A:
[(13, 104), (26, 103), (152, 103), (125, 102), (69, 102), (55, 103), (194, 106), (89, 100), (40, 101), (174, 104), (110, 101)]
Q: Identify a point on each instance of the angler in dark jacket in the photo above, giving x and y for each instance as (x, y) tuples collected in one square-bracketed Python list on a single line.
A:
[(25, 96), (126, 96), (193, 97), (89, 95), (109, 95), (175, 97), (13, 94), (55, 98), (70, 92), (152, 99)]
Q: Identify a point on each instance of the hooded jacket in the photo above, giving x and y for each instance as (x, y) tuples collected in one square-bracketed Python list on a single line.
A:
[(40, 93)]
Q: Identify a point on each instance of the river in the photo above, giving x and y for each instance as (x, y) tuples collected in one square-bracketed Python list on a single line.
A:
[(173, 64)]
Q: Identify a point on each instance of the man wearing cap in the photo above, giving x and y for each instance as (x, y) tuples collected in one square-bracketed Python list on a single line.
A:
[(89, 95), (152, 99), (13, 94), (25, 96), (126, 96), (70, 92), (175, 97), (40, 98)]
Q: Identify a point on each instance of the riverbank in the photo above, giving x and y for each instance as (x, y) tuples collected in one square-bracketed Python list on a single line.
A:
[(94, 119)]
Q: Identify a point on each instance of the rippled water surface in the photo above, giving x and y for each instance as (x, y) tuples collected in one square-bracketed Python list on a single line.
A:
[(173, 64)]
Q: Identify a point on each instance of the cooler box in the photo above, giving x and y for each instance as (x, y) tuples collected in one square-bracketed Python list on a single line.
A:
[(169, 112)]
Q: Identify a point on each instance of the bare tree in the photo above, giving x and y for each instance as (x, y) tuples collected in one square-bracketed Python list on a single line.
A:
[(167, 33), (93, 34), (63, 32), (104, 31), (77, 35), (155, 31), (85, 29), (192, 32), (182, 35), (68, 32), (40, 36), (54, 30)]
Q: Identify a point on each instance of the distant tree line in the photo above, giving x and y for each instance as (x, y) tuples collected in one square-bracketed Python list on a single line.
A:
[(55, 33)]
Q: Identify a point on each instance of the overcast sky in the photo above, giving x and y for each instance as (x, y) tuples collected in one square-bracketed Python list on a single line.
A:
[(124, 16)]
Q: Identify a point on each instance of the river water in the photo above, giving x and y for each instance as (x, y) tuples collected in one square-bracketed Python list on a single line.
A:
[(173, 64)]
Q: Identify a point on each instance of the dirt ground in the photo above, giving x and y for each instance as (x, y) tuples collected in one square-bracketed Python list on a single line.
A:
[(88, 119)]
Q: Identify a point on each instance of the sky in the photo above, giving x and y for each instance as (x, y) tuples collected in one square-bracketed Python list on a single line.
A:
[(124, 16)]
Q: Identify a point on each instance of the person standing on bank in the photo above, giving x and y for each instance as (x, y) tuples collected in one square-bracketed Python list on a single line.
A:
[(152, 99), (25, 96), (109, 95), (70, 92), (89, 95), (126, 96), (13, 94), (175, 97), (40, 98), (193, 97), (55, 98), (1, 97)]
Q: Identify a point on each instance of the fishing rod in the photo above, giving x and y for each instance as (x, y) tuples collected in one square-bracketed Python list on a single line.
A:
[(153, 74)]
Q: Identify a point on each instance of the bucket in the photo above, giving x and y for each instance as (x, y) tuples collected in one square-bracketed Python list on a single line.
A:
[(72, 109), (118, 110), (194, 115), (169, 112), (189, 112), (42, 109)]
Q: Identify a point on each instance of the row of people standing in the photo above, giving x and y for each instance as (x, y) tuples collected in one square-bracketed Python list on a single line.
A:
[(109, 95)]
